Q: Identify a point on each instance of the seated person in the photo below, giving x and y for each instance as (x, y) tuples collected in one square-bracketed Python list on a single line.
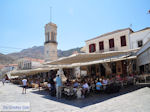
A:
[(93, 85), (85, 87), (105, 81), (52, 83), (49, 86), (118, 77), (68, 83), (76, 84), (98, 85)]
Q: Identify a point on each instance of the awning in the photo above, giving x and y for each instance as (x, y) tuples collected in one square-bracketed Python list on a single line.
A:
[(114, 59), (104, 61), (88, 57), (31, 71)]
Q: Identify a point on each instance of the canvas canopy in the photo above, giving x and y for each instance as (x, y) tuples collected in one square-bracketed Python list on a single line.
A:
[(30, 71), (88, 57), (118, 58), (76, 60)]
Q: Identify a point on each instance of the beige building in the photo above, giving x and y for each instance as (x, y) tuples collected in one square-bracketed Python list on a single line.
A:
[(24, 64), (29, 63), (50, 45), (113, 41), (118, 40), (123, 39)]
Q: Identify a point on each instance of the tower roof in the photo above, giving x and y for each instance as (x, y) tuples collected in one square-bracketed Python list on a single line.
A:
[(51, 24)]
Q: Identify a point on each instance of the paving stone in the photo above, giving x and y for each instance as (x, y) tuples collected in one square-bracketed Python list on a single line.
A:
[(136, 101)]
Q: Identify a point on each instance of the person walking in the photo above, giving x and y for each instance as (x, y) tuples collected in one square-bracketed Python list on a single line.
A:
[(3, 81), (58, 86), (24, 83)]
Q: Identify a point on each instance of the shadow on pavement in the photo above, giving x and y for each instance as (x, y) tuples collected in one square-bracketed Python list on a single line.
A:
[(93, 98)]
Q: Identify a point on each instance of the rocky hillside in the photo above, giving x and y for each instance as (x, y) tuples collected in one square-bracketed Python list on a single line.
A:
[(34, 52), (4, 59)]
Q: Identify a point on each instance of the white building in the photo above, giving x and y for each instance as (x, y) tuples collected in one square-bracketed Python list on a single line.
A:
[(113, 41), (24, 64), (29, 63), (139, 38), (118, 40), (7, 68), (143, 58)]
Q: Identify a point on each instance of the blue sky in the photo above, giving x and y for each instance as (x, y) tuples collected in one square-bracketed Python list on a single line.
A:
[(22, 21)]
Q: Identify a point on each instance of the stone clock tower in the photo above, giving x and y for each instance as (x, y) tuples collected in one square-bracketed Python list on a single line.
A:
[(50, 45)]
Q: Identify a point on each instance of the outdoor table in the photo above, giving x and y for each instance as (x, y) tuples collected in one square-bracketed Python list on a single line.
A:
[(68, 92)]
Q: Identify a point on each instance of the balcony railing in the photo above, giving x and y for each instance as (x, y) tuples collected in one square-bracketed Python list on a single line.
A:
[(107, 50), (113, 49), (50, 41), (101, 51)]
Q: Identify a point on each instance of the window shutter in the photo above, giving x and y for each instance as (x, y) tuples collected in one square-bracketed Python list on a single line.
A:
[(101, 45), (111, 43), (123, 40), (92, 48)]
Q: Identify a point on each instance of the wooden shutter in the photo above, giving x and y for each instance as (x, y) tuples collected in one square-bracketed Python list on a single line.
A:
[(101, 45), (111, 43), (123, 40)]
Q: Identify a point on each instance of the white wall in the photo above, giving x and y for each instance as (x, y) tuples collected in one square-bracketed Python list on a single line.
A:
[(143, 55), (137, 36), (105, 39), (36, 64), (24, 64)]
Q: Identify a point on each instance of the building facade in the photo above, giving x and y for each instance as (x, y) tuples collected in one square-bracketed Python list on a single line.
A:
[(29, 63), (123, 39), (119, 40), (113, 41), (50, 45), (139, 38), (143, 58), (24, 64)]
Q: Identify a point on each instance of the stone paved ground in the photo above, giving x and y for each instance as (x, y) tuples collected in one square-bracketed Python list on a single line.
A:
[(136, 101)]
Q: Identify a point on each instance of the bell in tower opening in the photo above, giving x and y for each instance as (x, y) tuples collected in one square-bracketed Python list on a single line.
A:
[(50, 45)]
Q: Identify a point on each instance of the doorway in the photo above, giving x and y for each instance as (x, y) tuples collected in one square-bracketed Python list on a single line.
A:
[(102, 70)]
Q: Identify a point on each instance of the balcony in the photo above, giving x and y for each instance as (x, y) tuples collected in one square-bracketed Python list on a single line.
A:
[(50, 41), (101, 51), (113, 49)]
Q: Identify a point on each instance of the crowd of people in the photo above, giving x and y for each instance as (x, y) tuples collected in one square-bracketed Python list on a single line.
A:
[(80, 86)]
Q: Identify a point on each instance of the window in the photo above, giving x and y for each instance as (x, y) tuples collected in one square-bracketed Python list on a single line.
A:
[(101, 45), (113, 67), (111, 43), (140, 43), (52, 36), (123, 40), (47, 34), (92, 48)]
